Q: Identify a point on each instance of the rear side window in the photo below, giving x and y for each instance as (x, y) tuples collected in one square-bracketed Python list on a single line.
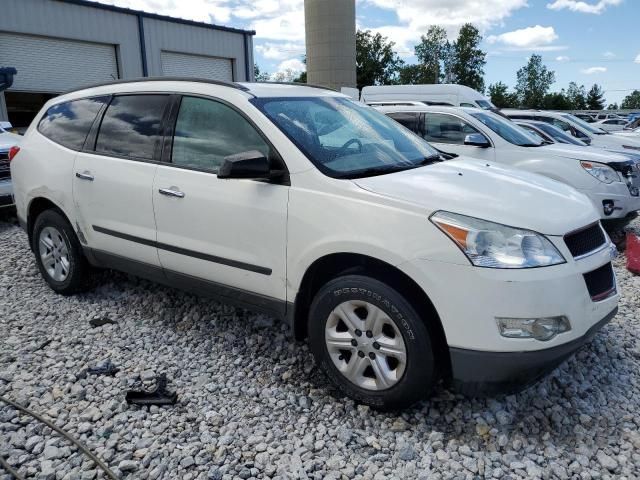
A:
[(407, 119), (69, 123), (131, 126), (441, 128), (208, 131)]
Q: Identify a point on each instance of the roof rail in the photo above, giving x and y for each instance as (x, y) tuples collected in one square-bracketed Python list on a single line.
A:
[(237, 86), (297, 84)]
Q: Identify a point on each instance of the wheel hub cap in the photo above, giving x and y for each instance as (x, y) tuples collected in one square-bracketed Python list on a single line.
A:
[(54, 254), (365, 345)]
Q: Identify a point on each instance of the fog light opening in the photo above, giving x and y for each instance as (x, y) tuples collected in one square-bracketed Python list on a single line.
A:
[(542, 329)]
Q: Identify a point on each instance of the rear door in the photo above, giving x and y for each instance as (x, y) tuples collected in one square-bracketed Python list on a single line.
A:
[(229, 233), (113, 178)]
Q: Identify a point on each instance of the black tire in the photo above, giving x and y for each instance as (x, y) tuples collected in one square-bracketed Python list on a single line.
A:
[(78, 278), (419, 375)]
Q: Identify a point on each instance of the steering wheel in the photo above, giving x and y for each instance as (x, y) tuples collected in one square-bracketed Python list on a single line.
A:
[(344, 147)]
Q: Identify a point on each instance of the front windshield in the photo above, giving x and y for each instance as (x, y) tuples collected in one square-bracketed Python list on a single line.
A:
[(559, 136), (346, 139), (486, 105), (584, 125), (508, 130)]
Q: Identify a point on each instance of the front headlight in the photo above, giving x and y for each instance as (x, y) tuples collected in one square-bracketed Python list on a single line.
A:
[(602, 172), (492, 245)]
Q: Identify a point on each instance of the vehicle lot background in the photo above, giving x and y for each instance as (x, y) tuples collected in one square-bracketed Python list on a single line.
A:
[(252, 403)]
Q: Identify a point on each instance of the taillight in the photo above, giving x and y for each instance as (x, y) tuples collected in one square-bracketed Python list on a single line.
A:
[(13, 151)]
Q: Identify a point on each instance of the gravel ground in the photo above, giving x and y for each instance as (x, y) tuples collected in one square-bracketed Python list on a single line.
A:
[(253, 405)]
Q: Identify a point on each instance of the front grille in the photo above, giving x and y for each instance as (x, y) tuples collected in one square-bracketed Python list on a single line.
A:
[(5, 172), (585, 240), (601, 283), (630, 172)]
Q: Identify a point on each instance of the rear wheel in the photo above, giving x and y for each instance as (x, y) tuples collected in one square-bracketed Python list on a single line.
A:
[(59, 254), (371, 342)]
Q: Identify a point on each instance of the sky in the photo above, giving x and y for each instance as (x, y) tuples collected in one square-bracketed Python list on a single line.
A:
[(586, 41)]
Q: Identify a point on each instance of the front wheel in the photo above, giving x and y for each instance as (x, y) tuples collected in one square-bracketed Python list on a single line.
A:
[(371, 343)]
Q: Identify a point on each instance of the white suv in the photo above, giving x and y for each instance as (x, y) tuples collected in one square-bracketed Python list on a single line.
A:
[(608, 179), (399, 268)]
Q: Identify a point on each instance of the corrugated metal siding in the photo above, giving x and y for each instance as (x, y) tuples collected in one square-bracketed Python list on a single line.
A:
[(187, 65), (173, 37), (73, 22), (48, 64)]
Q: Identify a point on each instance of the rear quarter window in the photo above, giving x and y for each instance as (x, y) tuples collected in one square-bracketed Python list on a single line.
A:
[(69, 123)]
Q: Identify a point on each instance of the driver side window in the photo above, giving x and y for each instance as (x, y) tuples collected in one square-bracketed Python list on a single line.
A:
[(442, 128), (208, 131)]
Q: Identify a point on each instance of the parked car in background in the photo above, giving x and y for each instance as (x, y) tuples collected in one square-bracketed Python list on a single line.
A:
[(595, 137), (7, 141), (629, 133), (633, 124), (587, 117), (600, 175), (553, 134), (437, 94), (321, 211), (611, 125), (607, 116)]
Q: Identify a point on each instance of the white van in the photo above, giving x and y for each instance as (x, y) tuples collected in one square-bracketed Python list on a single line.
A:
[(438, 94)]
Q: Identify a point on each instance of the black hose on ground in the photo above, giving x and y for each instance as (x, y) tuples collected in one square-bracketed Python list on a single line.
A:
[(10, 470), (82, 447)]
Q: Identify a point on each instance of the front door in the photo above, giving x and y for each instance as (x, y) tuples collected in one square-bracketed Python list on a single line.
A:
[(448, 133), (230, 233)]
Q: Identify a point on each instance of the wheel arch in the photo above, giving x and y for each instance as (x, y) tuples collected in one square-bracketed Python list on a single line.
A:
[(337, 264), (36, 206)]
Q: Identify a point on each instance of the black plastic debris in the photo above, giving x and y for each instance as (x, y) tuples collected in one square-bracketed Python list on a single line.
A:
[(159, 396), (105, 368), (99, 322)]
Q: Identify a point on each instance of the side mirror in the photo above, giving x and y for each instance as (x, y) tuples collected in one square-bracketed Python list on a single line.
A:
[(252, 164), (477, 140)]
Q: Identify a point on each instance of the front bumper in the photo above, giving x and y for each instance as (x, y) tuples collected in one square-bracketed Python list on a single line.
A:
[(617, 194), (478, 373), (6, 193)]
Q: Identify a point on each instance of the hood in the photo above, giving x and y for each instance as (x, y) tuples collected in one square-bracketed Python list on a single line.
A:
[(576, 152), (615, 140), (491, 192), (8, 140)]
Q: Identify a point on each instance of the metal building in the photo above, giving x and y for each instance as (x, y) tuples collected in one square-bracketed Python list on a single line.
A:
[(58, 45), (330, 31)]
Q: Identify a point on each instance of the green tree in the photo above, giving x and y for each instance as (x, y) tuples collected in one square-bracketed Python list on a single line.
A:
[(534, 81), (631, 101), (595, 98), (376, 62), (413, 75), (501, 97), (259, 75), (433, 53), (302, 78), (577, 96), (467, 59), (557, 101), (613, 106)]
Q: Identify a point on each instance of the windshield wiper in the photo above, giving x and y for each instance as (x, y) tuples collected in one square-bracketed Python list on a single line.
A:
[(431, 159), (374, 171)]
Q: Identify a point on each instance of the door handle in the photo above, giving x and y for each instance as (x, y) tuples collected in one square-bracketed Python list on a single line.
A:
[(171, 192), (85, 176)]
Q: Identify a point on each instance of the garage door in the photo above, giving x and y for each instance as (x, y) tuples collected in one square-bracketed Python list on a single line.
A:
[(186, 65), (48, 64)]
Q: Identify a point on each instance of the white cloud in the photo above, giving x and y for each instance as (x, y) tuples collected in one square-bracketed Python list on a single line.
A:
[(404, 38), (593, 70), (288, 70), (562, 58), (582, 6), (530, 38), (280, 51), (418, 15), (609, 55), (210, 11), (637, 60)]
